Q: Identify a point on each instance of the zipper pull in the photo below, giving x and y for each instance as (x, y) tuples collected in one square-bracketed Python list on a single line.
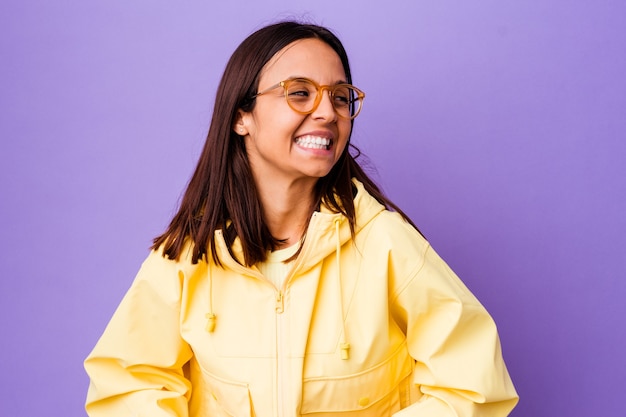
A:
[(280, 304)]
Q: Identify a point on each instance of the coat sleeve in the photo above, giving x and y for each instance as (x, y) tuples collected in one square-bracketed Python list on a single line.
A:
[(136, 368), (459, 369)]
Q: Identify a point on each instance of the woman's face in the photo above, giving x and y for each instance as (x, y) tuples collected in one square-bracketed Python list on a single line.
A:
[(283, 145)]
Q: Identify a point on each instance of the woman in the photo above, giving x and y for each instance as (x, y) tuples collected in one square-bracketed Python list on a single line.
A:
[(284, 286)]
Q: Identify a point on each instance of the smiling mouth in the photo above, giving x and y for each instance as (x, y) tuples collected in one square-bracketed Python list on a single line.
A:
[(314, 142)]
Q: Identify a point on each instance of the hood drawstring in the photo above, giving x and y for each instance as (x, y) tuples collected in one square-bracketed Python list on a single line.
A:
[(211, 317), (344, 345)]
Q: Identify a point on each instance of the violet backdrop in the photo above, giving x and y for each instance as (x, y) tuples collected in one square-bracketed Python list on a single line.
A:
[(499, 126)]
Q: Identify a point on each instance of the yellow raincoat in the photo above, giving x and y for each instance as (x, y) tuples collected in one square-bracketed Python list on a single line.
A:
[(375, 326)]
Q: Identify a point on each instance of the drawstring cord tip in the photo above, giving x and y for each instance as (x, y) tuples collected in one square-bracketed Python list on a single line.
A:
[(210, 324), (345, 351)]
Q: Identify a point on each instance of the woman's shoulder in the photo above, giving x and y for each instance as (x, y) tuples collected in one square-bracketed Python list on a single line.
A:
[(389, 229), (158, 262)]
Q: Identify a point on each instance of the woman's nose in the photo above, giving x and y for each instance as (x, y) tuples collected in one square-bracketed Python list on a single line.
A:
[(325, 108)]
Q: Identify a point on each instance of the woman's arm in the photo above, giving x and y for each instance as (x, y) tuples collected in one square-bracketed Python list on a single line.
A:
[(459, 368), (136, 368)]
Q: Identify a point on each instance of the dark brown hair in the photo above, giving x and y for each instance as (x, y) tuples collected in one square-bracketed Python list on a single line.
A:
[(221, 193)]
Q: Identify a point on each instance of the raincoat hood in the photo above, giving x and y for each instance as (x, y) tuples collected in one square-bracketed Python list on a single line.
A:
[(322, 231)]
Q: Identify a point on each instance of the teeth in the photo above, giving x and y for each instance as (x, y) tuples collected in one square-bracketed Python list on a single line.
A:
[(313, 142)]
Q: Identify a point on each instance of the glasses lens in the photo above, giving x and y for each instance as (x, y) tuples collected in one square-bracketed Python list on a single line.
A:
[(301, 95), (346, 100)]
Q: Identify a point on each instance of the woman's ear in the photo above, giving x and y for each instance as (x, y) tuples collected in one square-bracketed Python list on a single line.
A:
[(239, 125)]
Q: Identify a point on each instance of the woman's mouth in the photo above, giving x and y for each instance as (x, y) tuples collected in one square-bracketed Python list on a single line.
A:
[(313, 142)]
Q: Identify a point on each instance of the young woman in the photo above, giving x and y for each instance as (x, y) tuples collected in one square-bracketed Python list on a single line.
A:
[(287, 284)]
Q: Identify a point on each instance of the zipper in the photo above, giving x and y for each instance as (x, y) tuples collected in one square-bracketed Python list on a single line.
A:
[(281, 380), (282, 371)]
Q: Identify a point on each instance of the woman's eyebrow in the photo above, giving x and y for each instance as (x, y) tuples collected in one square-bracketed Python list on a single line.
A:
[(293, 77)]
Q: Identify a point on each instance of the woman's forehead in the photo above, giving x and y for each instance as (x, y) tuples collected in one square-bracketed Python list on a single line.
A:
[(309, 57)]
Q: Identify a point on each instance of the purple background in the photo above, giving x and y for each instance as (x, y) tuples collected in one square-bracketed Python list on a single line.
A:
[(498, 125)]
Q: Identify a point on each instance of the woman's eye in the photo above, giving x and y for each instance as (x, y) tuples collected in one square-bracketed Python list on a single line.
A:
[(299, 93), (341, 99)]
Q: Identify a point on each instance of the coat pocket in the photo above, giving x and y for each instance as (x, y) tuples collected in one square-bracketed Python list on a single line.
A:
[(225, 398), (377, 391)]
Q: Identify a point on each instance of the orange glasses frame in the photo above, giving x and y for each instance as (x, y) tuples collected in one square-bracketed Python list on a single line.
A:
[(318, 98)]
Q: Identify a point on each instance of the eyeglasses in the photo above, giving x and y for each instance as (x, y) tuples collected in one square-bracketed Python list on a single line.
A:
[(304, 96)]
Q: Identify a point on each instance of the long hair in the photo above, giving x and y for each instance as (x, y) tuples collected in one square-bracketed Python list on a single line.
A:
[(221, 194)]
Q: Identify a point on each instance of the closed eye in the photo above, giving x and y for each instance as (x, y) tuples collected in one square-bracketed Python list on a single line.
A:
[(300, 93), (341, 99)]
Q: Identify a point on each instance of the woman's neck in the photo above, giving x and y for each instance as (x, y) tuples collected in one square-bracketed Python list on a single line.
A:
[(287, 208)]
